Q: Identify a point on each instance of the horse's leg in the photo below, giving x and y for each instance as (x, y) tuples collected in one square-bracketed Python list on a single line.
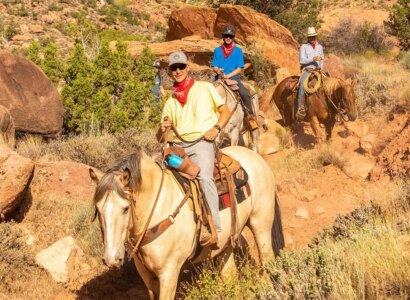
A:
[(235, 136), (314, 122), (261, 222), (168, 280), (255, 136), (329, 126), (148, 278), (228, 269)]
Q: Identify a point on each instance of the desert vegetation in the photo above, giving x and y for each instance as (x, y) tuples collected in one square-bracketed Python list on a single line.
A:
[(109, 113)]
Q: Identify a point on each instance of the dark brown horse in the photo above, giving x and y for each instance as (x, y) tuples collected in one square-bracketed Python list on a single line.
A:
[(334, 96)]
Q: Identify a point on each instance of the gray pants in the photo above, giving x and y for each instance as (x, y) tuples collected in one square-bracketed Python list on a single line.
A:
[(203, 154)]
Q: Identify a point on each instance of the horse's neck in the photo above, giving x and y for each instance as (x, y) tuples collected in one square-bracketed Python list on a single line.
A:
[(227, 95), (145, 197), (333, 89)]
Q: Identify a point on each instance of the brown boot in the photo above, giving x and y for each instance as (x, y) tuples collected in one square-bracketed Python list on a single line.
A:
[(301, 113)]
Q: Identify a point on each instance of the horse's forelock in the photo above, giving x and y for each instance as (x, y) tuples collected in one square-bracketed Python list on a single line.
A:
[(110, 182)]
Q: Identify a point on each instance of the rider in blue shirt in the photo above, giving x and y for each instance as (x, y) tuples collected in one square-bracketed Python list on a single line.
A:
[(228, 58)]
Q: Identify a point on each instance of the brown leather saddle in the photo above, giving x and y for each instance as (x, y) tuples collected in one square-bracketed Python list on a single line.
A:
[(232, 184)]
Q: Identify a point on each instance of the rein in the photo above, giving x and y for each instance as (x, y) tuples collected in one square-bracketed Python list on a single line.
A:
[(340, 110), (228, 90)]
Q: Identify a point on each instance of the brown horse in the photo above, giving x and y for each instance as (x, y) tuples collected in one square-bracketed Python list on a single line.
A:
[(334, 96)]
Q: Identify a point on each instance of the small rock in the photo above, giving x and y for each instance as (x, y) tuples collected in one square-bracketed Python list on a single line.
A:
[(21, 38), (367, 142), (318, 210), (358, 129), (23, 28), (34, 28), (310, 195), (358, 166), (302, 212)]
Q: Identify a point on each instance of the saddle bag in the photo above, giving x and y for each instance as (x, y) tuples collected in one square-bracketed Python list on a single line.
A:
[(187, 168)]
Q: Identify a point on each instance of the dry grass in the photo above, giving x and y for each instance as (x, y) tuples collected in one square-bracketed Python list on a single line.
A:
[(99, 151), (367, 261), (20, 276)]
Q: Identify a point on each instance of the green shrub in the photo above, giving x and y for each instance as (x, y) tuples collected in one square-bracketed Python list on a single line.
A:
[(405, 61), (399, 22), (351, 38), (11, 30), (296, 16), (119, 35)]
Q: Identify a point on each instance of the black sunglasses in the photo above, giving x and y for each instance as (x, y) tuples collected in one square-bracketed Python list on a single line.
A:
[(181, 67), (225, 36)]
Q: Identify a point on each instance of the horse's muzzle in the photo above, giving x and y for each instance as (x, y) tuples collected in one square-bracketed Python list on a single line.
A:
[(113, 263)]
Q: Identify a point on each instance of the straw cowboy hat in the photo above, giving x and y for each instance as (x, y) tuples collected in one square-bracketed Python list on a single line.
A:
[(311, 31)]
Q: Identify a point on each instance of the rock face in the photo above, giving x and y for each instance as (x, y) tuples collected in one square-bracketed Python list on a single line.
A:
[(33, 102), (7, 130), (192, 21), (198, 51), (15, 176), (253, 28)]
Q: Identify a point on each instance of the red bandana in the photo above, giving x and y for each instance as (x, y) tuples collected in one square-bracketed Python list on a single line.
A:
[(313, 43), (181, 89), (227, 49)]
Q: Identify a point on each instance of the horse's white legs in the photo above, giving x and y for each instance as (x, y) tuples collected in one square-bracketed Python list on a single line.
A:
[(255, 137), (261, 222), (168, 281), (234, 135), (228, 269), (148, 278)]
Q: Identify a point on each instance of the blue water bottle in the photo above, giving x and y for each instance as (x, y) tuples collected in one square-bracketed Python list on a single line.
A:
[(174, 160)]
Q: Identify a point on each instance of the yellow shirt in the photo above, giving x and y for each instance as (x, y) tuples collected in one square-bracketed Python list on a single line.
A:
[(198, 115)]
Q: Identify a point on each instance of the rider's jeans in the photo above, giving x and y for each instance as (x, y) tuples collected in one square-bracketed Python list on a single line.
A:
[(243, 93), (301, 90), (203, 154)]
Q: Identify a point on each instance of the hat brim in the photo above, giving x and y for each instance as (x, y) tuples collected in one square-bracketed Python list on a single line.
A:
[(312, 34)]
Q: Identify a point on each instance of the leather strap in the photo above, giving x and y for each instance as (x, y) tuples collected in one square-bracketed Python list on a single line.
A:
[(155, 231), (234, 213)]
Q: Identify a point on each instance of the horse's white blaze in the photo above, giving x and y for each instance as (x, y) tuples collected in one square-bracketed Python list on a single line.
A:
[(116, 224)]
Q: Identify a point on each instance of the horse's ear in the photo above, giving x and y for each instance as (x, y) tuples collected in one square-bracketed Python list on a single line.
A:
[(95, 175), (125, 177)]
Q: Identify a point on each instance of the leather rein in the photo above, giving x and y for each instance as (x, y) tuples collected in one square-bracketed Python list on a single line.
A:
[(148, 235)]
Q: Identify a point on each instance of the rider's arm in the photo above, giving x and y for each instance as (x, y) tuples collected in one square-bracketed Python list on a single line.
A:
[(304, 57), (224, 115), (233, 73)]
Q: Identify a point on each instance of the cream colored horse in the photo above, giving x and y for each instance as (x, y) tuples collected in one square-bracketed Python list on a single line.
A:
[(138, 177), (234, 129)]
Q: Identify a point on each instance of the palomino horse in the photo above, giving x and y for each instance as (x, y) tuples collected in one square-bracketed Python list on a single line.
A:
[(235, 127), (133, 185), (336, 96)]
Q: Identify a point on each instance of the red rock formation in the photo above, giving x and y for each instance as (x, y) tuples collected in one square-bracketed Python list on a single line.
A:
[(253, 28), (33, 102), (15, 177), (7, 130)]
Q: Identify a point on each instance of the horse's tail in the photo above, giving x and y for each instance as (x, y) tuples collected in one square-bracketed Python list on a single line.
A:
[(278, 240)]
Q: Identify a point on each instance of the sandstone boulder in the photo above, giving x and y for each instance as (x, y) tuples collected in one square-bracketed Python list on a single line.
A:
[(15, 176), (358, 167), (268, 143), (33, 102), (253, 28), (192, 21), (7, 130), (199, 52)]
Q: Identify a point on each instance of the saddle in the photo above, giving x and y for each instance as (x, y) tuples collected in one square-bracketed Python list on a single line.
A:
[(232, 185), (233, 86)]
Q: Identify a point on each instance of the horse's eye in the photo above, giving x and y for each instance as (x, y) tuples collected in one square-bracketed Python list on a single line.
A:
[(126, 209)]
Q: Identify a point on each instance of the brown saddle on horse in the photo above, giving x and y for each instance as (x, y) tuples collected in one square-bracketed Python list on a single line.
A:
[(232, 185)]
